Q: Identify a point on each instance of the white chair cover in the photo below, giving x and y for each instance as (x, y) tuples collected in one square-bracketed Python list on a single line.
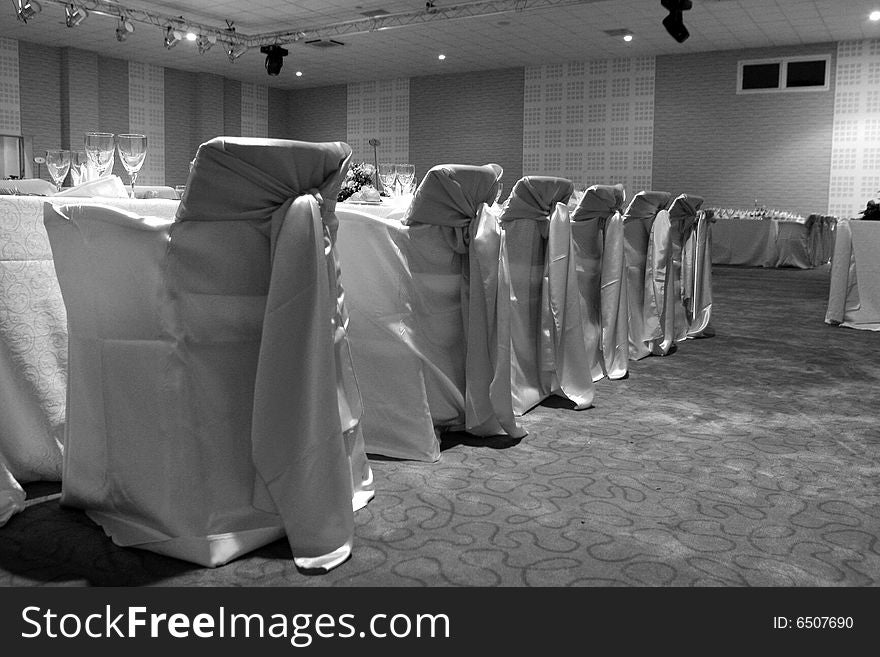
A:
[(696, 264), (665, 262), (644, 314), (408, 289), (212, 406), (540, 347), (597, 234)]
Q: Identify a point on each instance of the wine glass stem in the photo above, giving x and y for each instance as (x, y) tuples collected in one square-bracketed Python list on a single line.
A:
[(133, 175)]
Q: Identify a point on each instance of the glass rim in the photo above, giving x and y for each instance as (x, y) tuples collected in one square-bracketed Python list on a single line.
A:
[(131, 134), (101, 134)]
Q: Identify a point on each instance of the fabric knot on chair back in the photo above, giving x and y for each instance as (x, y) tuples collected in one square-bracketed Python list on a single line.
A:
[(451, 195), (598, 202), (646, 204), (244, 178), (683, 210), (535, 198)]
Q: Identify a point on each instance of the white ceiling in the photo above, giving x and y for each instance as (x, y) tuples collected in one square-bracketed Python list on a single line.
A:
[(518, 38)]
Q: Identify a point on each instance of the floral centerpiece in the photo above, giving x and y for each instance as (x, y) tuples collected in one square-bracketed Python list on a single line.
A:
[(358, 176)]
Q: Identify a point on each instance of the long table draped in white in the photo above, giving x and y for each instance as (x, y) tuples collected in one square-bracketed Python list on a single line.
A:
[(854, 291)]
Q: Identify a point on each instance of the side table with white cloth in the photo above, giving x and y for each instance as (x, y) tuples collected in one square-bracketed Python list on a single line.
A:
[(854, 291), (781, 240), (33, 343)]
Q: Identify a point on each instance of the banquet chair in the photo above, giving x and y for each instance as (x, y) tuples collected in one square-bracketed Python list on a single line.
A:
[(540, 346), (696, 267), (597, 237), (407, 282), (639, 234), (212, 405), (665, 285), (27, 186)]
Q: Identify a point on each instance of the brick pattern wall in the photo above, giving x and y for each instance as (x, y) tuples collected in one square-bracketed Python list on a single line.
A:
[(855, 149), (10, 99), (40, 94), (734, 150), (181, 107), (79, 96), (209, 111), (278, 113), (146, 93), (318, 114), (113, 103), (590, 121), (469, 118), (231, 108)]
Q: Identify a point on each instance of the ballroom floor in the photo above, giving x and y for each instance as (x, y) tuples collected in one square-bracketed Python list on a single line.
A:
[(751, 458)]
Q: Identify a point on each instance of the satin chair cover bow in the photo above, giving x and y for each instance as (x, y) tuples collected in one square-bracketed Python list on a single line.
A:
[(540, 343), (599, 245), (638, 226)]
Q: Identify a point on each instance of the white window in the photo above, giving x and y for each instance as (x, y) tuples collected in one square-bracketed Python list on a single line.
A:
[(805, 73)]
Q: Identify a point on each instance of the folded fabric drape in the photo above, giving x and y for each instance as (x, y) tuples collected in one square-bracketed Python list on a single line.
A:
[(638, 226), (696, 268), (540, 346), (597, 234), (236, 419), (854, 290), (665, 264)]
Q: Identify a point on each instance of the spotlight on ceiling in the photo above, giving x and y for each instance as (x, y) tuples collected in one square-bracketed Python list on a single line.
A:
[(26, 9), (674, 22), (204, 43), (275, 55), (235, 51), (172, 36), (124, 28), (74, 15)]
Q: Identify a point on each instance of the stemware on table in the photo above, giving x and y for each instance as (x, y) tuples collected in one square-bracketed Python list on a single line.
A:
[(99, 147), (132, 151), (406, 174), (79, 167), (58, 164), (387, 176)]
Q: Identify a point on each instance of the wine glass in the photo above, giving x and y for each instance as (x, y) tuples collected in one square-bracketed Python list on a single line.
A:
[(58, 164), (99, 148), (79, 163), (387, 175), (406, 173), (132, 151)]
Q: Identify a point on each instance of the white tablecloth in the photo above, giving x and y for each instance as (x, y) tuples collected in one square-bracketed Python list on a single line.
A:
[(854, 291), (33, 344), (770, 242)]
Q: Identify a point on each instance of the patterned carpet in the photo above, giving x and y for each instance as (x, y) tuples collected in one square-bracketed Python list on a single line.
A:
[(751, 458)]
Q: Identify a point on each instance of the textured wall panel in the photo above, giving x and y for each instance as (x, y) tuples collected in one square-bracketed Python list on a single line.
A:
[(379, 109), (146, 92), (254, 110), (318, 114), (40, 94), (10, 99), (181, 109), (855, 145), (590, 121)]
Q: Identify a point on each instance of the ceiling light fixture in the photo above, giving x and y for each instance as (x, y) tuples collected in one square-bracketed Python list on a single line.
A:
[(627, 37), (441, 57), (233, 52), (275, 55), (674, 22), (204, 43), (74, 15), (124, 28), (172, 36), (874, 16), (26, 9)]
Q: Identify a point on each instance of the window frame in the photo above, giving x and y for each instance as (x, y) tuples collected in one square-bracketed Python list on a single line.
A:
[(783, 74)]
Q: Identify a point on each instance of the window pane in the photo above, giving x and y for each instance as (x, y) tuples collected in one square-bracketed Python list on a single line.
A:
[(760, 76), (806, 74)]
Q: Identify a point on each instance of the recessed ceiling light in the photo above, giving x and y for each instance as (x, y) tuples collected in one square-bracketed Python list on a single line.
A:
[(627, 37), (299, 74), (874, 16), (441, 57)]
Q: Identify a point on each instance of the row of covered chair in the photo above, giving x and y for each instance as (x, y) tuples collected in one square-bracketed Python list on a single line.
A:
[(230, 369)]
